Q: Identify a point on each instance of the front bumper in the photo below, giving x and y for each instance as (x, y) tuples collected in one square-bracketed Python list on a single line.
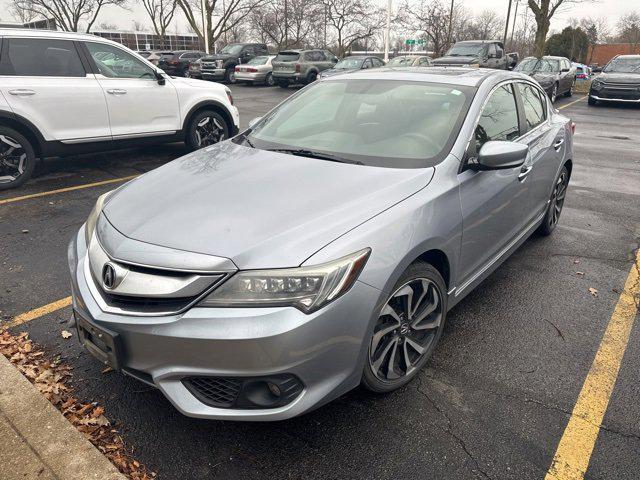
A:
[(325, 350), (613, 98)]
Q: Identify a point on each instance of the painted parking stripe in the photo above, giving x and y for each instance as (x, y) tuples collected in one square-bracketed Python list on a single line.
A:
[(571, 103), (38, 312), (574, 451), (67, 189)]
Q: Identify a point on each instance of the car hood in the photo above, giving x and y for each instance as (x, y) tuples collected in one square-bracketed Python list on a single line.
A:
[(446, 60), (632, 78), (260, 209), (543, 78)]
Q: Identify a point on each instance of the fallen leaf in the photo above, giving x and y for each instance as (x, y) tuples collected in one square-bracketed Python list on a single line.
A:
[(579, 273), (66, 334), (576, 261), (107, 370), (593, 291), (25, 231)]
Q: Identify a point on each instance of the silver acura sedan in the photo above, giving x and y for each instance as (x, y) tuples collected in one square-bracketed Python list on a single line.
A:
[(321, 248)]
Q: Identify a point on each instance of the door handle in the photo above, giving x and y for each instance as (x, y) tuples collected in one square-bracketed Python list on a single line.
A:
[(524, 171), (22, 92), (116, 91), (558, 143)]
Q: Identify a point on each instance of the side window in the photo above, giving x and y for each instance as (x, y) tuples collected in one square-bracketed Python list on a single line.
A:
[(367, 63), (423, 61), (377, 62), (499, 51), (534, 109), (114, 62), (492, 49), (31, 57), (499, 118), (321, 56)]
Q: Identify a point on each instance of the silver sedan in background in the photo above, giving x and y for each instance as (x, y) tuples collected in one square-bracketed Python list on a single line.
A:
[(320, 249), (256, 70)]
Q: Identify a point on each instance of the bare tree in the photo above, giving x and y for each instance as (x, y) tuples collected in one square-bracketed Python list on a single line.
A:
[(290, 27), (221, 16), (23, 16), (68, 14), (597, 29), (487, 25), (351, 21), (138, 26), (161, 14), (629, 30), (543, 12), (431, 19)]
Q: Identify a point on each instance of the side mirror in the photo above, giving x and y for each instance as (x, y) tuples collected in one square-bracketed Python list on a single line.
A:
[(564, 70), (498, 155), (253, 121), (334, 59), (161, 80), (499, 55)]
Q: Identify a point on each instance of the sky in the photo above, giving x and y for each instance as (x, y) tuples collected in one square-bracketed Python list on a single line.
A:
[(612, 9)]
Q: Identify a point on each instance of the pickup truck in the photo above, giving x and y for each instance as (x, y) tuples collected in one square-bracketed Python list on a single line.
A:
[(484, 53)]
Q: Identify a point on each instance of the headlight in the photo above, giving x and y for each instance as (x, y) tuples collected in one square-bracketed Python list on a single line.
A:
[(305, 288), (597, 84), (90, 224)]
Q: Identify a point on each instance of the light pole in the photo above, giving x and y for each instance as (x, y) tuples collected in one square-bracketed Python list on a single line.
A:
[(387, 33), (506, 26), (515, 20)]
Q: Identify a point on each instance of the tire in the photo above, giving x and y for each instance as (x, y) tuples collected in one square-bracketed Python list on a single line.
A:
[(415, 338), (554, 209), (554, 93), (311, 77), (569, 92), (283, 83), (269, 81), (592, 101), (205, 128), (230, 75), (18, 165)]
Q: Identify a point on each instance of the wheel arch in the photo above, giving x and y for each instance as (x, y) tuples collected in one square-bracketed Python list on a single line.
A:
[(26, 128), (569, 164), (439, 260), (209, 105)]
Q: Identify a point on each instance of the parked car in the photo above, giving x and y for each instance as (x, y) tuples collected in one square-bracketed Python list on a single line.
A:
[(257, 70), (512, 60), (222, 66), (618, 82), (555, 74), (176, 63), (410, 61), (352, 64), (484, 53), (301, 66), (582, 71), (323, 247), (58, 96)]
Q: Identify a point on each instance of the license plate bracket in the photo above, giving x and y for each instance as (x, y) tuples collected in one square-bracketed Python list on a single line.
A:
[(103, 344)]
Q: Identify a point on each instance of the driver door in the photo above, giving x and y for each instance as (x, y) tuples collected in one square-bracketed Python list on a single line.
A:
[(137, 104)]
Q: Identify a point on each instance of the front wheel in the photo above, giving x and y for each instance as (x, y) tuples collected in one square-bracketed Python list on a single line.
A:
[(408, 328), (569, 93), (17, 158), (206, 128), (592, 101), (269, 81), (554, 209), (554, 93), (230, 75)]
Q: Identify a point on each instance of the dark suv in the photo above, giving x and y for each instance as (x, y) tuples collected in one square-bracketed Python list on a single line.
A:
[(484, 53), (618, 82), (177, 62), (221, 66)]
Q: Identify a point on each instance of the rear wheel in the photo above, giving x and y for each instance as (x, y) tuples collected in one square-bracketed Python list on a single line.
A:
[(206, 128), (408, 328), (311, 77), (554, 209), (283, 83), (17, 158)]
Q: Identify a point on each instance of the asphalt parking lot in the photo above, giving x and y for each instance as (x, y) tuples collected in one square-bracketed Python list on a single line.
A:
[(494, 399)]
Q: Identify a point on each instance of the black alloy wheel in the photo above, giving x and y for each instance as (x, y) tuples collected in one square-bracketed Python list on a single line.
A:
[(206, 128), (17, 158), (407, 330), (556, 202)]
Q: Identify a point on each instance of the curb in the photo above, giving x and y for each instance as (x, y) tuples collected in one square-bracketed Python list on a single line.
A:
[(36, 441)]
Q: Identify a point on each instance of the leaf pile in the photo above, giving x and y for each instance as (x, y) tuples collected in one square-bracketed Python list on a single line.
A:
[(52, 378)]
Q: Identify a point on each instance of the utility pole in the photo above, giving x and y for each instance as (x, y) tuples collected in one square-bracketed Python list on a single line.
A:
[(286, 25), (387, 36), (450, 25), (506, 26), (515, 20), (204, 28)]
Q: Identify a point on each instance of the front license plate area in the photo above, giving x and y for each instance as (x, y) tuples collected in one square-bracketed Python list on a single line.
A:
[(100, 343)]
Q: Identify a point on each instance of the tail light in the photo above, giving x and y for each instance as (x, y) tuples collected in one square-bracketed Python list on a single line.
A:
[(252, 70), (298, 68), (573, 128), (173, 62), (237, 69)]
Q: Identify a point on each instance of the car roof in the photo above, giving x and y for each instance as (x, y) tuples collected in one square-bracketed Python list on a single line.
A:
[(27, 32), (480, 41), (464, 76)]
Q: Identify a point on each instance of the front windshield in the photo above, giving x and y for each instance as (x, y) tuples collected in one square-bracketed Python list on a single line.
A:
[(258, 60), (623, 65), (349, 64), (542, 65), (384, 122), (231, 50), (400, 61), (466, 50)]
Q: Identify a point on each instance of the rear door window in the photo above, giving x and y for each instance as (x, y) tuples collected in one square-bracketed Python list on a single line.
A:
[(287, 57), (534, 108), (499, 118), (35, 57)]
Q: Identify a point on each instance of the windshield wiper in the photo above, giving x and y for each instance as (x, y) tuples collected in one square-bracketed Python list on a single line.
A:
[(301, 152)]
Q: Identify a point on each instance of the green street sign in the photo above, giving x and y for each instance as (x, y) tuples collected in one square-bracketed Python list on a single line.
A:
[(410, 42), (413, 42)]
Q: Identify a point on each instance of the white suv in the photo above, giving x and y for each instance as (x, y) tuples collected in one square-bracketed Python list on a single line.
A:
[(66, 93)]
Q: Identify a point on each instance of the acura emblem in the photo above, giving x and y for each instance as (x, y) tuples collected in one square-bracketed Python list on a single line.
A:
[(108, 276)]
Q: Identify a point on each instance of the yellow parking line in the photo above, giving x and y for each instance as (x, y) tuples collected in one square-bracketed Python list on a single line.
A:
[(67, 189), (576, 445), (38, 312), (571, 103)]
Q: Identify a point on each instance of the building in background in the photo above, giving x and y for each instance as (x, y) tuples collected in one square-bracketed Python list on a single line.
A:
[(151, 41), (602, 53), (46, 24)]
